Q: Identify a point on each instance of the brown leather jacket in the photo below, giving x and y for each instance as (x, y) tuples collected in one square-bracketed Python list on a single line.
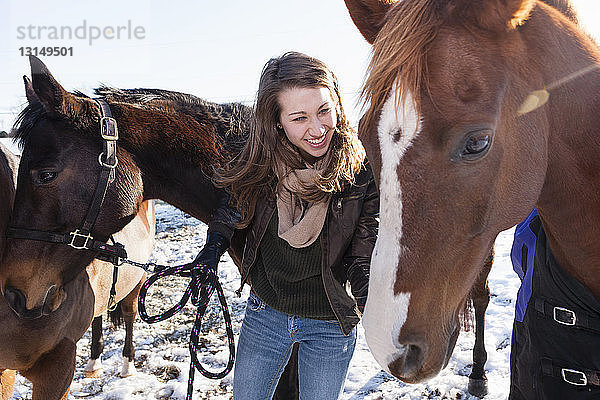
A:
[(347, 242)]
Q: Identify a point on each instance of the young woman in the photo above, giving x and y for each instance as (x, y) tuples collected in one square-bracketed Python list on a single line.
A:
[(309, 203)]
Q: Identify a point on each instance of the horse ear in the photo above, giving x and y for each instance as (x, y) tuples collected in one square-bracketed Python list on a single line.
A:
[(45, 88), (495, 15), (369, 15), (29, 92)]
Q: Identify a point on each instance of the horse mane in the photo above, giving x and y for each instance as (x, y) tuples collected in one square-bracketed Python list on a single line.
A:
[(25, 122), (78, 114), (231, 120), (400, 51)]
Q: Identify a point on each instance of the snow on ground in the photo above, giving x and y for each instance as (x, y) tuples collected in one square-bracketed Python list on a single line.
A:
[(162, 358)]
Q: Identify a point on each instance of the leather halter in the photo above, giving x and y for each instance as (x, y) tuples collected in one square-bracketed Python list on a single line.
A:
[(82, 238)]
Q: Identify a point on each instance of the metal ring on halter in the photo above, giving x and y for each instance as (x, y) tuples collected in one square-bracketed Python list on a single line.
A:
[(102, 163), (112, 304)]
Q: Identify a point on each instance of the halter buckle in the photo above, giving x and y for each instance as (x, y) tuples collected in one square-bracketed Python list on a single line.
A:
[(75, 234), (108, 128), (564, 316), (574, 377), (104, 164)]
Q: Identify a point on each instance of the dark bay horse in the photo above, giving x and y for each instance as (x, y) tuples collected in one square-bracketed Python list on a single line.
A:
[(43, 350), (477, 113), (168, 145)]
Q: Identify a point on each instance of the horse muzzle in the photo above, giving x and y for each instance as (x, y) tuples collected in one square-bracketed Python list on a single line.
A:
[(418, 362), (407, 365)]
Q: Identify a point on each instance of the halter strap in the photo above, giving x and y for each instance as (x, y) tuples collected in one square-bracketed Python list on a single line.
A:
[(108, 162), (74, 239)]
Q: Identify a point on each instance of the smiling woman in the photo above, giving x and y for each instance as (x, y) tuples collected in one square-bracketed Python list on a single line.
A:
[(308, 118), (308, 198)]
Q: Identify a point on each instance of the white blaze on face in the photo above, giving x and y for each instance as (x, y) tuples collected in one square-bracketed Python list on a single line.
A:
[(385, 313)]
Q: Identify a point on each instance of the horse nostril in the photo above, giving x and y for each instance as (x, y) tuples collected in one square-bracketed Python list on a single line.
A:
[(47, 306), (409, 364), (414, 357), (15, 299)]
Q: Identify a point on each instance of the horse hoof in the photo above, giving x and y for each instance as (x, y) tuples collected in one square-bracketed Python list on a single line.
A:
[(93, 369), (128, 368), (478, 387)]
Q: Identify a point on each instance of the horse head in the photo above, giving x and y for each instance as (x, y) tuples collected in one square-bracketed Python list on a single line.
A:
[(60, 136), (457, 131)]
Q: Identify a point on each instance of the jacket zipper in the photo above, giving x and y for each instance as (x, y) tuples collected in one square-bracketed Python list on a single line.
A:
[(339, 201)]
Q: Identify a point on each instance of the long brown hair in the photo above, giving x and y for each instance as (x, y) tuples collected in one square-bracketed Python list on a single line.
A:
[(251, 175)]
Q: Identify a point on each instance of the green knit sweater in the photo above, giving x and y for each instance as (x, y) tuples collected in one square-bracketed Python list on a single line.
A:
[(289, 279)]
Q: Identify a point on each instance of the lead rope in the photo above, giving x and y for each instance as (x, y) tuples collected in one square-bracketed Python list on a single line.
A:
[(112, 303), (203, 283)]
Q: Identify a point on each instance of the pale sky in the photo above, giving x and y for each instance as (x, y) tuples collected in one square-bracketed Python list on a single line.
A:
[(214, 50)]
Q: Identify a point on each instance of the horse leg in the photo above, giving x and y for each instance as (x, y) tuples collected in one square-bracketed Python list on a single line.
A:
[(7, 382), (287, 388), (52, 373), (478, 385), (94, 365), (129, 307)]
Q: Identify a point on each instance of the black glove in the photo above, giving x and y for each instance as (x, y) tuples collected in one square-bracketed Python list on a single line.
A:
[(358, 275), (216, 245)]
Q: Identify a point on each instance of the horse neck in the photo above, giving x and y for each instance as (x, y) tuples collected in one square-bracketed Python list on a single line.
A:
[(569, 203), (174, 156)]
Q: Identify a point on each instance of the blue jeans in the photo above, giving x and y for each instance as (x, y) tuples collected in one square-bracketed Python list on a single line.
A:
[(265, 346)]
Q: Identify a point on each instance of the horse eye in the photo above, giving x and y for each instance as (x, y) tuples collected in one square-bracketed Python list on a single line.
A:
[(44, 177), (476, 145)]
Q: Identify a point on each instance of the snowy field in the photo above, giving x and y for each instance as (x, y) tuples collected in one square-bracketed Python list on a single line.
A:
[(162, 358)]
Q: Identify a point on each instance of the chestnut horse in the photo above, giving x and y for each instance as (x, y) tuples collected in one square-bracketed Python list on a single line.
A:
[(43, 350), (168, 145), (477, 113)]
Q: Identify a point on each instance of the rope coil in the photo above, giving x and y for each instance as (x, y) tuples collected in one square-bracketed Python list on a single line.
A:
[(204, 282)]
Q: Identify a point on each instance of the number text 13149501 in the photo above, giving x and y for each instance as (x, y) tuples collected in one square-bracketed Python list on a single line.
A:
[(46, 51)]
